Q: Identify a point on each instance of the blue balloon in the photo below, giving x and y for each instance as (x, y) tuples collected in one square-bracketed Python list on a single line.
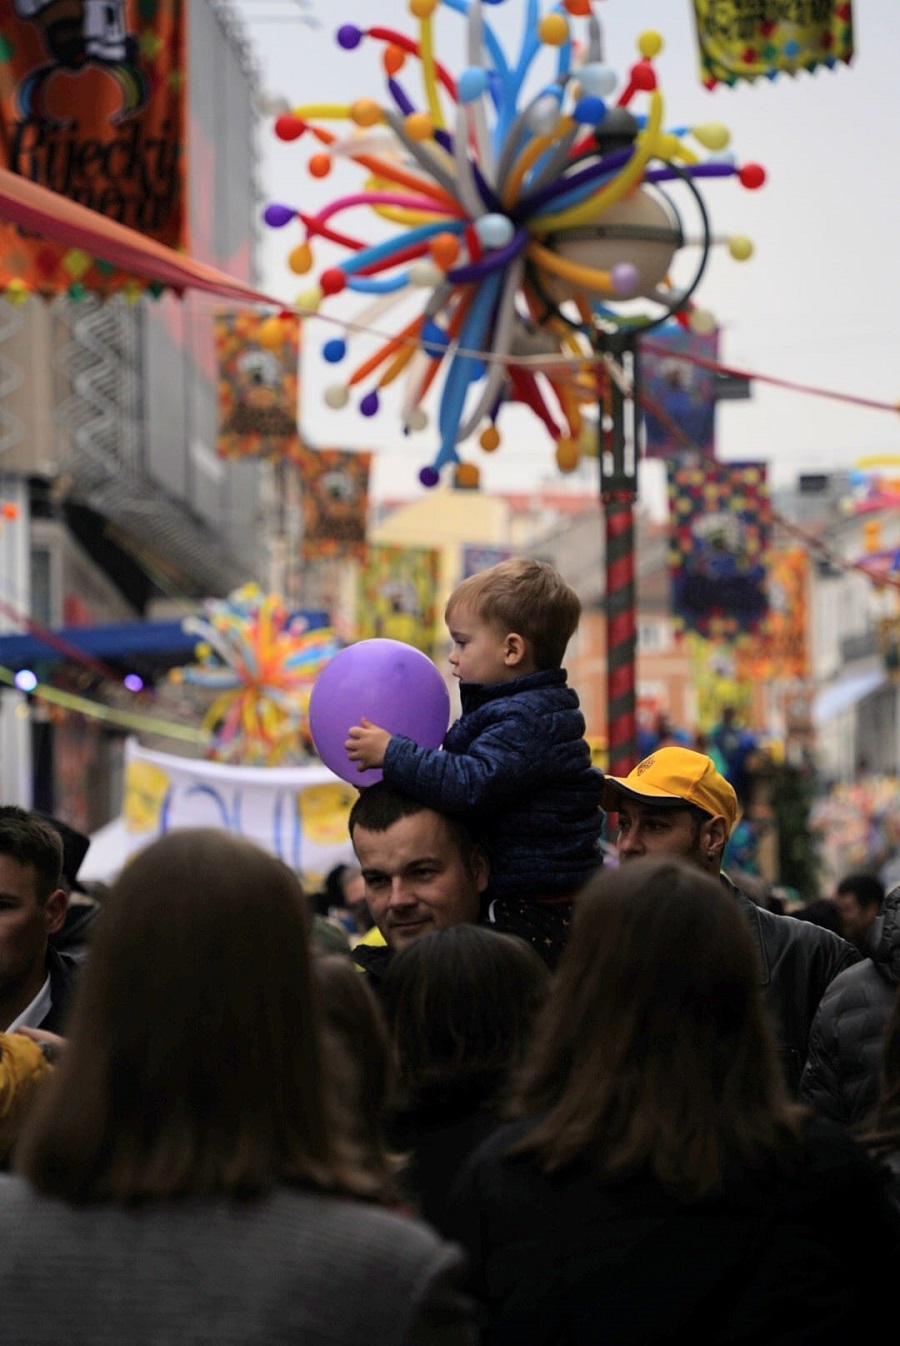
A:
[(334, 351)]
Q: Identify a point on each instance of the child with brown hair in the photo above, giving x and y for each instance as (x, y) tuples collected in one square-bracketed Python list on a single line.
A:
[(516, 764)]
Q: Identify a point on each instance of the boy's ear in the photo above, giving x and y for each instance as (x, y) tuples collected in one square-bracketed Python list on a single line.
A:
[(515, 649)]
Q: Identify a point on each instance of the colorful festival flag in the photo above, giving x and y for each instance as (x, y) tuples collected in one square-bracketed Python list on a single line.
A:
[(742, 39), (780, 650), (678, 395), (398, 596), (719, 521), (258, 359), (476, 559), (92, 107), (335, 502)]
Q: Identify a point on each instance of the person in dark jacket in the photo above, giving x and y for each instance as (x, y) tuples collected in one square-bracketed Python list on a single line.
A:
[(460, 1004), (657, 1184), (36, 982), (841, 1077), (676, 804), (516, 764)]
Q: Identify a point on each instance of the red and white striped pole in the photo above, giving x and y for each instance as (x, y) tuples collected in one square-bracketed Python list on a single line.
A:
[(618, 493)]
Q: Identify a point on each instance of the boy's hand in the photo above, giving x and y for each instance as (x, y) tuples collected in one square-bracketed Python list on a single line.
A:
[(366, 744)]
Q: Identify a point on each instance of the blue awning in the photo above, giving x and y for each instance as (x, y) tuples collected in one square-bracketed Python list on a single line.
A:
[(845, 693), (160, 642)]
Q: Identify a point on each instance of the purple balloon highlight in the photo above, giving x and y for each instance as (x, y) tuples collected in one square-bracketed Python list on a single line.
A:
[(399, 95), (599, 168), (429, 477), (369, 405), (384, 681), (349, 36), (491, 261), (278, 216)]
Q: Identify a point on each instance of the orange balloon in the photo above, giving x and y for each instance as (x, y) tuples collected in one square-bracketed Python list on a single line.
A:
[(10, 510), (394, 59), (490, 439), (320, 165), (365, 112), (444, 249), (467, 476)]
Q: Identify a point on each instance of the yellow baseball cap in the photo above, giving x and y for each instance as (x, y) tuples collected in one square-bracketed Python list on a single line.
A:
[(676, 776)]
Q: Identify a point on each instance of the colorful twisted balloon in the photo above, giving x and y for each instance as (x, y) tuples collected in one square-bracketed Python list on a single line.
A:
[(263, 661), (531, 221)]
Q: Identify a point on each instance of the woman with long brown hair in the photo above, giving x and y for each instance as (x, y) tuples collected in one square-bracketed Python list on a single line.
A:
[(188, 1174), (658, 1185)]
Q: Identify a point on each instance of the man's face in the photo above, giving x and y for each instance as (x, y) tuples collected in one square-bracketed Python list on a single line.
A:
[(416, 879), (662, 832), (856, 920), (25, 923)]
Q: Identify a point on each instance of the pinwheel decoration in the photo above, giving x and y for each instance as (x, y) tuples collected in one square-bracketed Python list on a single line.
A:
[(262, 660), (532, 210)]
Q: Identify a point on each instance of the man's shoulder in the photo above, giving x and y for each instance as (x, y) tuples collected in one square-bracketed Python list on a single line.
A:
[(781, 935), (373, 960)]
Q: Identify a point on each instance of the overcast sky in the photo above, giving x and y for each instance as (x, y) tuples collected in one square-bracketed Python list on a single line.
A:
[(818, 304)]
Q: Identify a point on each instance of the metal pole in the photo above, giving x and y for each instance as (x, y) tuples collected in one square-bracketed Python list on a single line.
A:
[(618, 493)]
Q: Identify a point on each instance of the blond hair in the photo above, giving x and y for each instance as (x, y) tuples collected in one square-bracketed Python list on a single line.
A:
[(526, 596)]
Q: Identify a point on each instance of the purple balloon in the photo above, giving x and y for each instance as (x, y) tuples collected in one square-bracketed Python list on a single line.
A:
[(393, 685)]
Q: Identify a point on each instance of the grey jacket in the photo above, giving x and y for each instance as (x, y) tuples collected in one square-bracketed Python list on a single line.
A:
[(294, 1267), (842, 1075)]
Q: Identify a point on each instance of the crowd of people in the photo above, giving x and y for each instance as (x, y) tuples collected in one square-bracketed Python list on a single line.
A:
[(434, 1107)]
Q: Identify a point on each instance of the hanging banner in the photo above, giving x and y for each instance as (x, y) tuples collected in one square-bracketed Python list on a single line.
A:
[(335, 502), (678, 395), (719, 521), (258, 360), (476, 559), (742, 39), (398, 596), (717, 680), (297, 813), (779, 650), (92, 107)]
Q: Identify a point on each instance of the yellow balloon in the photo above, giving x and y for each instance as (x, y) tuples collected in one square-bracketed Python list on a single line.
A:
[(740, 248), (712, 135), (300, 259), (553, 30), (650, 44), (567, 455)]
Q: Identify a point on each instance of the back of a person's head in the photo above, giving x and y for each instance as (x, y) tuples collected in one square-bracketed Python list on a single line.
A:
[(820, 912), (31, 840), (195, 1061), (653, 1048), (355, 1019), (526, 596), (460, 1005), (866, 888)]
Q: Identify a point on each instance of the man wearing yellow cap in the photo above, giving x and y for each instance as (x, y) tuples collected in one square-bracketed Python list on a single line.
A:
[(676, 804)]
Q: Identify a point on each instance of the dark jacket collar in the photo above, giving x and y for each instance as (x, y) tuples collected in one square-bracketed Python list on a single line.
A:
[(473, 694)]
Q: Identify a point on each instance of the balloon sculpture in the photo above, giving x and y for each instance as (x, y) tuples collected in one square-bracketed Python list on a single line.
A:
[(529, 222), (263, 661)]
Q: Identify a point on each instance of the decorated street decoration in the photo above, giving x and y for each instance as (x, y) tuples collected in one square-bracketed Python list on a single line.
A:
[(678, 395), (92, 101), (746, 39), (529, 221), (719, 537), (262, 661), (258, 357), (335, 502)]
